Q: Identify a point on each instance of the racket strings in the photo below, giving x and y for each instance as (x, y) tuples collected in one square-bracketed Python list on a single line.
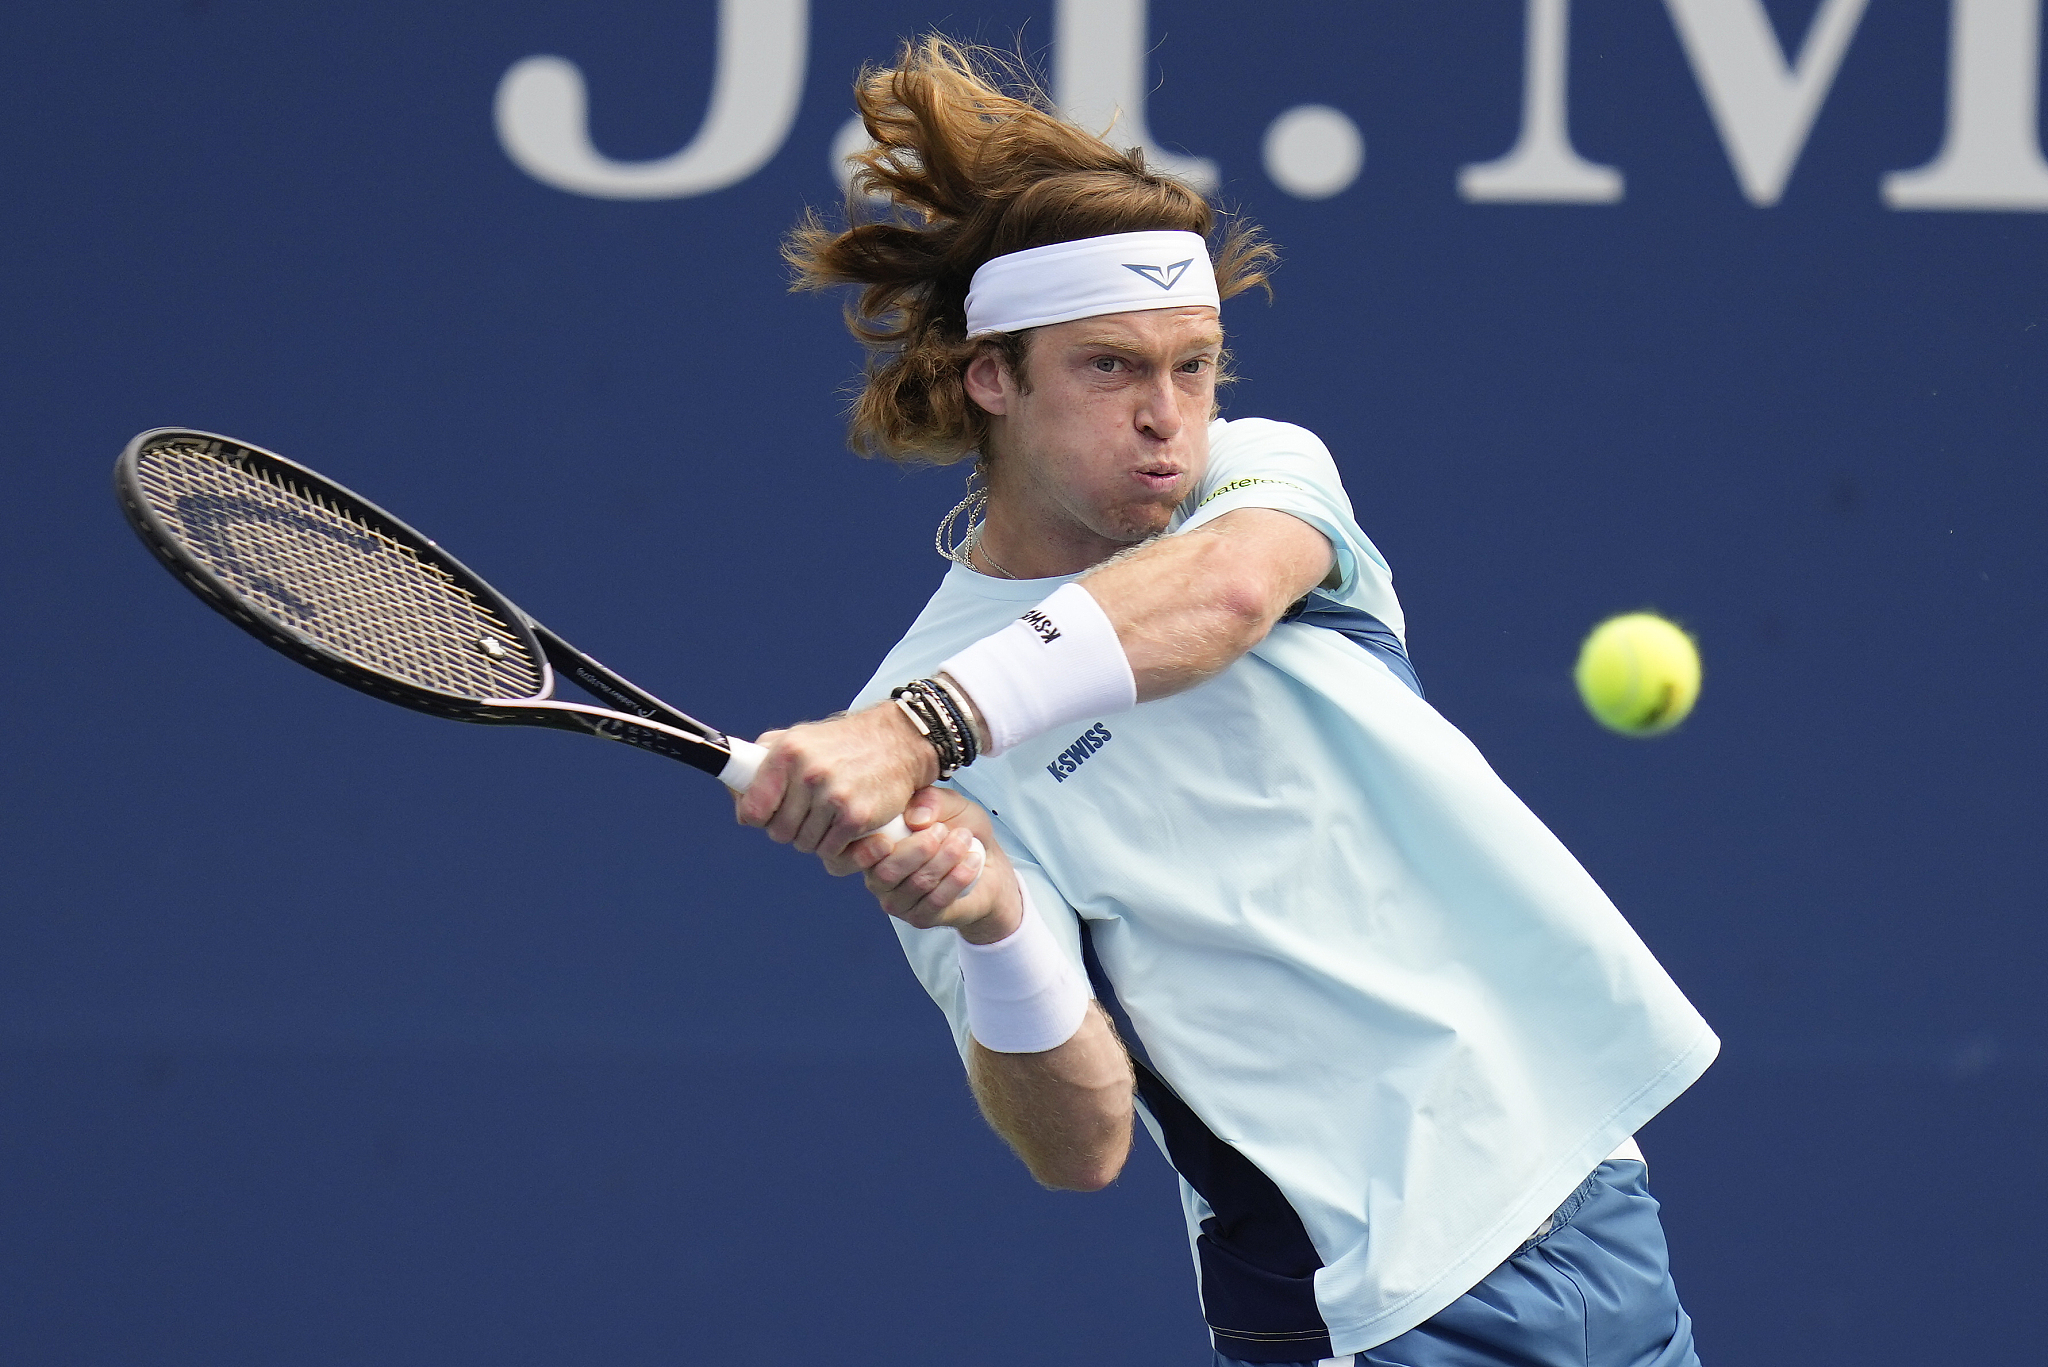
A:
[(332, 575)]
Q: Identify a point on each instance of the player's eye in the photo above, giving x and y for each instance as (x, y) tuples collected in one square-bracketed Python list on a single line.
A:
[(1108, 364)]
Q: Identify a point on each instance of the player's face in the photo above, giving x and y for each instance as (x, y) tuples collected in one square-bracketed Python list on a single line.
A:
[(1114, 429)]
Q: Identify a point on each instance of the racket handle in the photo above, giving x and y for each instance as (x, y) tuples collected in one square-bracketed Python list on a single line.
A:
[(746, 760)]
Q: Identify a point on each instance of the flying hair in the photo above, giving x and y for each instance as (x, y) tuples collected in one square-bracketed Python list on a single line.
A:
[(971, 162)]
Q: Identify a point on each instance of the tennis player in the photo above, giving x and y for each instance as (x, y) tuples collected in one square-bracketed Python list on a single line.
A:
[(1392, 1037)]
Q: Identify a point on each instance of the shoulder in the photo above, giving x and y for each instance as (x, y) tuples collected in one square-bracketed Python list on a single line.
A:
[(1260, 463), (1253, 459), (1261, 433), (1255, 448), (1239, 439)]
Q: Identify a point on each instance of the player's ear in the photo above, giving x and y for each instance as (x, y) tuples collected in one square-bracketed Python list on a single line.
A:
[(989, 382)]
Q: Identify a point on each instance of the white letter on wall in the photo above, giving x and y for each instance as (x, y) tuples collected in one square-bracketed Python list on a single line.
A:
[(1991, 156), (1098, 77), (543, 112), (1542, 167), (1762, 106)]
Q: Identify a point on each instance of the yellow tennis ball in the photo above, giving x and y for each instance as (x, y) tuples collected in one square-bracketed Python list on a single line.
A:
[(1638, 674)]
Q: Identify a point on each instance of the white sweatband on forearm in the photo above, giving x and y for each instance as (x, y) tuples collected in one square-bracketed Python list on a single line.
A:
[(1060, 662), (1023, 997)]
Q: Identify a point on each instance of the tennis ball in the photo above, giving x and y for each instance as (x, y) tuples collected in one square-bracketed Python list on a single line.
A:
[(1638, 674)]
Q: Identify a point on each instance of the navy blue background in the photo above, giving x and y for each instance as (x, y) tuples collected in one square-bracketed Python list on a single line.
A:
[(334, 1034)]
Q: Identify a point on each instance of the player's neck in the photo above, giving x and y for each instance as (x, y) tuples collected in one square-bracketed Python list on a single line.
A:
[(1021, 541)]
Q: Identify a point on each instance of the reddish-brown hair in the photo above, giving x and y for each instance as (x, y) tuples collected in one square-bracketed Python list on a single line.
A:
[(973, 163)]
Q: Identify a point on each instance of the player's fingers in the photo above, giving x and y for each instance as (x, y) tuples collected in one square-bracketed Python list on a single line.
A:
[(860, 856), (950, 806), (818, 822), (932, 883), (870, 850), (954, 869), (798, 805), (759, 800), (848, 829), (910, 856), (966, 874), (763, 797), (887, 879), (926, 806), (781, 824)]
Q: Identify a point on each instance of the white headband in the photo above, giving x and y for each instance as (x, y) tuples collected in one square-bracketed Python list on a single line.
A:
[(1120, 273)]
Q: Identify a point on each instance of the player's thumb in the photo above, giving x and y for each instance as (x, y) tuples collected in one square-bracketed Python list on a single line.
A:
[(931, 804)]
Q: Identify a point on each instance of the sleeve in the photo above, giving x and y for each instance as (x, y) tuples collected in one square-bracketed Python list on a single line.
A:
[(934, 955), (1257, 463)]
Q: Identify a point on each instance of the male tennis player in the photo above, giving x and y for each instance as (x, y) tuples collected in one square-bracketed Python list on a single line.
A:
[(1390, 1034)]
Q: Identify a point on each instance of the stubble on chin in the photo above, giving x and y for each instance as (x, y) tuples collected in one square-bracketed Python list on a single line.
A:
[(1135, 524)]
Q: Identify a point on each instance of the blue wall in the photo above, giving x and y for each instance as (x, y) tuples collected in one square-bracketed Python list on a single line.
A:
[(331, 1034)]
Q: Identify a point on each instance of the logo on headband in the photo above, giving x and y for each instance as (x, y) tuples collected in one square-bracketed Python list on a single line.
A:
[(1166, 277)]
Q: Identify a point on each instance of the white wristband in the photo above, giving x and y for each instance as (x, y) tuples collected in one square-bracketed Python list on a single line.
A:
[(1060, 662), (1023, 997)]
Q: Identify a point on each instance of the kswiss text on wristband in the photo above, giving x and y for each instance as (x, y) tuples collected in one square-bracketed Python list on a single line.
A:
[(1061, 662)]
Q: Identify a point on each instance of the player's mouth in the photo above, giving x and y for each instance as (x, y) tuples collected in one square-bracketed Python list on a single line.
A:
[(1160, 476)]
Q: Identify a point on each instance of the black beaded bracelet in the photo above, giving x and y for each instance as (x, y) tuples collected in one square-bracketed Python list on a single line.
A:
[(951, 718), (935, 724), (970, 746)]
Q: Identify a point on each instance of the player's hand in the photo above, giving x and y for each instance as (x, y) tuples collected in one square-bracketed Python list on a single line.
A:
[(935, 877), (825, 784)]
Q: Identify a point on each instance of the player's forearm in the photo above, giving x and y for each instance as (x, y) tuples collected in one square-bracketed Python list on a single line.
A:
[(1146, 625), (1186, 607), (1066, 1111)]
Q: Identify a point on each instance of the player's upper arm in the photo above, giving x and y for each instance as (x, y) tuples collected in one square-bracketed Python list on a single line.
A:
[(1293, 554), (1279, 556), (1258, 463)]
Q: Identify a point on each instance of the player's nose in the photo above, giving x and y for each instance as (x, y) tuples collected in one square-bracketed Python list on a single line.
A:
[(1158, 410)]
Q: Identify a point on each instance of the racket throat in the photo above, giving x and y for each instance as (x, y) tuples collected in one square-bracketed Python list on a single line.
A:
[(706, 753), (593, 678)]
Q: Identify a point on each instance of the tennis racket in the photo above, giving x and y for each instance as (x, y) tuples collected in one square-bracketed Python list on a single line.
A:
[(338, 584)]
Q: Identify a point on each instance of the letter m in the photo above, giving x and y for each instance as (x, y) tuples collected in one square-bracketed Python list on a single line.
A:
[(1763, 106)]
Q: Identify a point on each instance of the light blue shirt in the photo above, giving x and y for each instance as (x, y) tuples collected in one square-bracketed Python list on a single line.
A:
[(1358, 957)]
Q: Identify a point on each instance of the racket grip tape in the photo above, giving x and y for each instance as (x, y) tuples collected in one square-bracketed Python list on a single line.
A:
[(746, 760)]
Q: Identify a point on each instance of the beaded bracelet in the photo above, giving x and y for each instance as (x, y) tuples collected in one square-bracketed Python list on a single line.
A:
[(925, 730), (931, 728), (956, 708), (941, 722), (951, 721), (924, 717)]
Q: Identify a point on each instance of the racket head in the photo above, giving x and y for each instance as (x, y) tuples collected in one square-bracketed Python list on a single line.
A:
[(326, 577)]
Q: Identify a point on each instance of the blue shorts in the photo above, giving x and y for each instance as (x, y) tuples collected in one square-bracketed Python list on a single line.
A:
[(1595, 1290)]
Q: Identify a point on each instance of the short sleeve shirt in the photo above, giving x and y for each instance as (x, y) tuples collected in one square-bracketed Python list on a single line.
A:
[(1352, 951)]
